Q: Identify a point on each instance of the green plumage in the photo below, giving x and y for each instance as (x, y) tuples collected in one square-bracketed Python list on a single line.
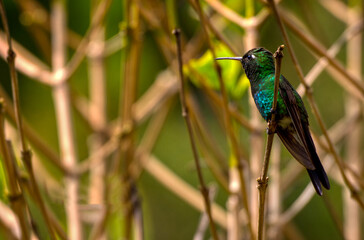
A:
[(291, 116)]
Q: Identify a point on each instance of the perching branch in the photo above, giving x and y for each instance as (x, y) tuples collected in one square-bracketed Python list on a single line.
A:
[(263, 179), (203, 188)]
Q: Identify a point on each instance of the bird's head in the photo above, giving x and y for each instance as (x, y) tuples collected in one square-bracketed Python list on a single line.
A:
[(256, 62)]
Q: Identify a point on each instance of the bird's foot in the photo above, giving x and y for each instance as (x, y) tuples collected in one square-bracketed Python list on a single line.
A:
[(271, 129), (273, 111)]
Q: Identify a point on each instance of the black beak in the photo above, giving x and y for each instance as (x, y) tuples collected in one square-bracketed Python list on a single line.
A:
[(230, 58)]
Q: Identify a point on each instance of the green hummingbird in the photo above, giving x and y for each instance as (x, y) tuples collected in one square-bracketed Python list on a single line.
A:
[(291, 115)]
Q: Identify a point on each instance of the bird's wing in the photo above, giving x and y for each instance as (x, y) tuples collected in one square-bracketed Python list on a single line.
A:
[(294, 146), (297, 145), (287, 93)]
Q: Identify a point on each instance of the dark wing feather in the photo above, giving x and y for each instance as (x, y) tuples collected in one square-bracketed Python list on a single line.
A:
[(318, 174), (294, 147)]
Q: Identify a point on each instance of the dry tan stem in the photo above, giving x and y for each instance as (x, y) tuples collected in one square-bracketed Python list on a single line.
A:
[(275, 193), (231, 15), (349, 33), (185, 114), (316, 47), (130, 71), (27, 63), (164, 87), (297, 206), (313, 105), (9, 222), (81, 50), (204, 219), (97, 113), (25, 152), (263, 179), (250, 41), (352, 214), (315, 71), (339, 9), (15, 195), (227, 120), (64, 120), (179, 187)]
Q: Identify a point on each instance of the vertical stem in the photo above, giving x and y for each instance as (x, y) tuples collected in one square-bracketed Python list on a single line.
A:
[(63, 116), (263, 179), (185, 114), (15, 195), (25, 152), (352, 218), (131, 63), (256, 140), (237, 152), (97, 110), (274, 207), (97, 113)]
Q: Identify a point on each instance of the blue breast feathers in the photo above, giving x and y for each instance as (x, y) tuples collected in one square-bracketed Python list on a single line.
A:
[(263, 101)]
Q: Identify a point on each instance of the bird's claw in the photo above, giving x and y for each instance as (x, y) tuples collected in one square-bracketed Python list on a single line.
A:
[(273, 111)]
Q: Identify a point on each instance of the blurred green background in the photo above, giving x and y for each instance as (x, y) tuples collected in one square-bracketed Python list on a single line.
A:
[(165, 215)]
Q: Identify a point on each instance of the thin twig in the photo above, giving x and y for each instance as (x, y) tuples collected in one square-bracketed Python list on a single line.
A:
[(263, 179), (204, 219), (203, 188)]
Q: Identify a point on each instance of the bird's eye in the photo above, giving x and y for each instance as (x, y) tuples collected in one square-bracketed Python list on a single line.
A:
[(250, 57)]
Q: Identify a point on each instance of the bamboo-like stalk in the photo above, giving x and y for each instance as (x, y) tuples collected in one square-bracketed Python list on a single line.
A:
[(227, 121), (64, 119), (97, 112), (185, 114), (204, 219), (250, 41), (25, 152), (8, 222), (263, 179), (15, 195), (352, 214), (275, 194), (96, 21), (130, 71)]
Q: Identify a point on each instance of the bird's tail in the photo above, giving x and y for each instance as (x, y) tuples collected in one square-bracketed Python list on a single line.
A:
[(318, 176)]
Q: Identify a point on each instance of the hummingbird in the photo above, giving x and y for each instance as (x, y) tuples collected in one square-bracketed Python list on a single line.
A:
[(291, 116)]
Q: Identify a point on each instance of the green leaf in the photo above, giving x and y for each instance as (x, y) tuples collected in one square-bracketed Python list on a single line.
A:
[(201, 71)]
